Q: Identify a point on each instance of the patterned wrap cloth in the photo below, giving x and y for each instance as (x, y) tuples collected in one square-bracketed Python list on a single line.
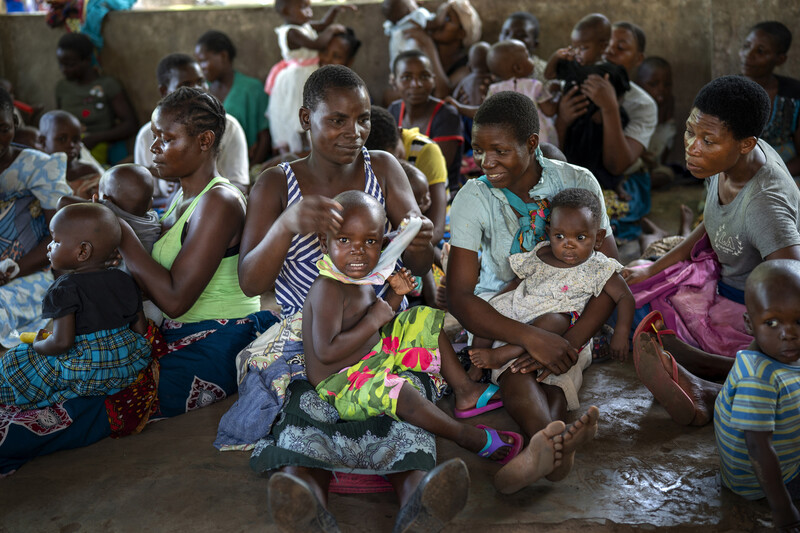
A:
[(371, 386), (99, 363)]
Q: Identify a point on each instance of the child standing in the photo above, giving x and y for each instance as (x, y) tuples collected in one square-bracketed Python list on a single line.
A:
[(557, 279), (59, 131), (96, 347), (343, 320), (764, 49), (756, 412), (300, 45)]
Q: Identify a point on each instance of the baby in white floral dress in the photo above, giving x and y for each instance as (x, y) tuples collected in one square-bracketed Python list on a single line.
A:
[(555, 281)]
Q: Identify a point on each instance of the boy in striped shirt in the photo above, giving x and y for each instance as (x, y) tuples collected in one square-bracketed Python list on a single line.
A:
[(757, 413)]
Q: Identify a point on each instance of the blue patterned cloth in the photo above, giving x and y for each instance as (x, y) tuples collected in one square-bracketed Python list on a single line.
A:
[(32, 183)]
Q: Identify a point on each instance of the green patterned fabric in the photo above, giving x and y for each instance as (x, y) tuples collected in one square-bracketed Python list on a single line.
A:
[(371, 387)]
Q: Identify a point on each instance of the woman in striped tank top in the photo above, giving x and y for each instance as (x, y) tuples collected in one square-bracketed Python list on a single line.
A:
[(289, 206)]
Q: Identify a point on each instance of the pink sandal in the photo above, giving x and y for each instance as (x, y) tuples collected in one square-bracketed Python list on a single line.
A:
[(494, 443)]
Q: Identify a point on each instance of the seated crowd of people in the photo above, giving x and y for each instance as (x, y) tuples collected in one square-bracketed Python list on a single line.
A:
[(492, 184)]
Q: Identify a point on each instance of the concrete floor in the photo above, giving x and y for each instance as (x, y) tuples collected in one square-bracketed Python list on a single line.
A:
[(642, 473)]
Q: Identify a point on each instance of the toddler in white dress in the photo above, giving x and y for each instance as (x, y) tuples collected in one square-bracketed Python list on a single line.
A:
[(556, 280)]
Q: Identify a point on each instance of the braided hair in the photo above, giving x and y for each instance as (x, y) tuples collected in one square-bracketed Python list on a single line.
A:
[(197, 110)]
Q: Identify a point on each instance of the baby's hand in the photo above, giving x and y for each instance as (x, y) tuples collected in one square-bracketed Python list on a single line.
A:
[(41, 335), (566, 53), (402, 282), (619, 345)]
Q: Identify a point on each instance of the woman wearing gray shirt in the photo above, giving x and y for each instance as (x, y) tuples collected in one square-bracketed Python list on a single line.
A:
[(752, 214)]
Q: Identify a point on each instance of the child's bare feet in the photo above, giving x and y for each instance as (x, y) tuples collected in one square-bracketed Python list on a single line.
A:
[(579, 433), (537, 460), (484, 358)]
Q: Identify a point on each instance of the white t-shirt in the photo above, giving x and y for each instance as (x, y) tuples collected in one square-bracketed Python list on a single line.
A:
[(642, 118), (232, 161)]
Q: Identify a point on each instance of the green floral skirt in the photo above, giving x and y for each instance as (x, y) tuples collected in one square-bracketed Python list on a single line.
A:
[(310, 431), (371, 386)]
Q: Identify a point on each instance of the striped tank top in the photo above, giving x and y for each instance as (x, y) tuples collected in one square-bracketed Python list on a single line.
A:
[(299, 268)]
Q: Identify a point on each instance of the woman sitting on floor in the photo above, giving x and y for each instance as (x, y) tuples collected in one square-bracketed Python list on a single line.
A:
[(290, 206), (192, 277), (696, 291)]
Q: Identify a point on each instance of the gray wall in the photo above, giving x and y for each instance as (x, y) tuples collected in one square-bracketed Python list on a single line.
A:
[(699, 37)]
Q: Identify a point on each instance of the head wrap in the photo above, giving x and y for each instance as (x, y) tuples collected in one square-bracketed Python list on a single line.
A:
[(469, 19)]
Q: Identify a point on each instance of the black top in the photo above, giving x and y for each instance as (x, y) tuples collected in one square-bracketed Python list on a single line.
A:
[(105, 299)]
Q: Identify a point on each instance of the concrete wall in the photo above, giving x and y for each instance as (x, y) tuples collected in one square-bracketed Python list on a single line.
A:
[(699, 37)]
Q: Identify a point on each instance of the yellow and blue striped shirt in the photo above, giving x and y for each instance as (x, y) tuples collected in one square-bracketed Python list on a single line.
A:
[(760, 394)]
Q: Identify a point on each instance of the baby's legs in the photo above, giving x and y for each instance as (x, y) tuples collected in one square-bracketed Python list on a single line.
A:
[(416, 410), (465, 390), (484, 356)]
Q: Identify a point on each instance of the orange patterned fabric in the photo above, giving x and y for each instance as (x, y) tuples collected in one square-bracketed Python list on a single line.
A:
[(130, 409)]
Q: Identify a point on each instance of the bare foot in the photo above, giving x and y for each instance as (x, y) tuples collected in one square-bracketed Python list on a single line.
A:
[(537, 460), (703, 393), (579, 433), (687, 217), (484, 358), (650, 228)]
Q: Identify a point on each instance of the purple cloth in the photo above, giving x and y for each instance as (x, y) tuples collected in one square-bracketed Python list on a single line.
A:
[(686, 295)]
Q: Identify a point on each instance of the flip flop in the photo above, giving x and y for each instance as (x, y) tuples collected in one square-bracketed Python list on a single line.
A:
[(492, 446), (663, 385), (648, 325), (483, 405)]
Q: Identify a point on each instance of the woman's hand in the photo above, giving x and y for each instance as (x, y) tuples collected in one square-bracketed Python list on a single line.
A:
[(313, 214), (633, 276), (423, 39), (548, 351), (422, 241), (572, 105), (600, 91)]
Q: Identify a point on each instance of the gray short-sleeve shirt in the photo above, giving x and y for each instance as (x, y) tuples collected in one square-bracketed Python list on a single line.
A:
[(763, 218)]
